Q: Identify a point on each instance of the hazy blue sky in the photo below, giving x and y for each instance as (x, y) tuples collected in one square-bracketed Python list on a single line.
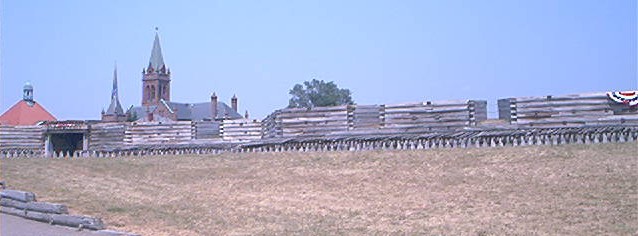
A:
[(384, 51)]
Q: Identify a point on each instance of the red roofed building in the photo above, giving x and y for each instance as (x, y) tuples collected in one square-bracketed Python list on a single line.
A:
[(26, 111)]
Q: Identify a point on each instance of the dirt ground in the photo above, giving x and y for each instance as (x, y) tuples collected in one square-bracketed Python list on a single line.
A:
[(565, 190)]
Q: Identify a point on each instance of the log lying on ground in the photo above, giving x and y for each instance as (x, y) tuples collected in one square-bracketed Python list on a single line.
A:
[(86, 222), (37, 216), (13, 211), (18, 195), (43, 207), (107, 232), (78, 221)]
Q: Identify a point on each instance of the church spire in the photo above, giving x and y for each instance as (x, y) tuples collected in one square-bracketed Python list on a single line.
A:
[(115, 108), (156, 80), (156, 63)]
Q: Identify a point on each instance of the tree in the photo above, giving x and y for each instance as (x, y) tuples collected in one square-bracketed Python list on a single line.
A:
[(318, 93)]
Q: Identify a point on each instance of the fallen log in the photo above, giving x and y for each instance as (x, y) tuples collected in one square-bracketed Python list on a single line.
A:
[(78, 221), (18, 195), (38, 216), (107, 232), (43, 207), (13, 211)]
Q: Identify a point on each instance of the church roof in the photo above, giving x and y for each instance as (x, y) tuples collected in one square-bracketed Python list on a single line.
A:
[(157, 60), (192, 111), (25, 113), (115, 108)]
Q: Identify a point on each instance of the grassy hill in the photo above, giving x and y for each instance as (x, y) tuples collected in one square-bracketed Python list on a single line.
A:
[(572, 189)]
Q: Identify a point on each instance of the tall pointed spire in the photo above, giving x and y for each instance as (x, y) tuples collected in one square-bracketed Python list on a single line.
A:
[(156, 63), (115, 108)]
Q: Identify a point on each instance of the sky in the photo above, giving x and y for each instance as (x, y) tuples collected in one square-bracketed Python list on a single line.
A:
[(385, 52)]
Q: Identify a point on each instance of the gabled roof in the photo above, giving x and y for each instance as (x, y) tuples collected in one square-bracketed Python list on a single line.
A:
[(25, 113), (188, 111), (157, 60)]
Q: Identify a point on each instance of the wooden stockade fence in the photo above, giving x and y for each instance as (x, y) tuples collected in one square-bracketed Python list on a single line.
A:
[(158, 133), (270, 128), (365, 117), (469, 138), (476, 138), (106, 136), (318, 121), (241, 130), (207, 129), (582, 118), (27, 139), (413, 117), (566, 111), (437, 115)]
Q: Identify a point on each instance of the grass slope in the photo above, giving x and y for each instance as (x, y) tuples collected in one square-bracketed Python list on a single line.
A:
[(573, 189)]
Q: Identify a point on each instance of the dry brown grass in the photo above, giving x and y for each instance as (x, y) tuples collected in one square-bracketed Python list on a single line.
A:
[(573, 190)]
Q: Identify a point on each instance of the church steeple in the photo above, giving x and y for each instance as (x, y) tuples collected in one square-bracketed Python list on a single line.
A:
[(156, 63), (115, 108), (156, 79), (115, 113)]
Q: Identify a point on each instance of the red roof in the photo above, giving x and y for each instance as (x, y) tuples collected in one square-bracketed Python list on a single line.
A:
[(23, 114)]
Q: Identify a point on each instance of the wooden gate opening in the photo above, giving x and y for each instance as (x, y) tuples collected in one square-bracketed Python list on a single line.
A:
[(67, 142)]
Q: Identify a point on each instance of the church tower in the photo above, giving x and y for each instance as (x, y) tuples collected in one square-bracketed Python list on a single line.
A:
[(156, 78)]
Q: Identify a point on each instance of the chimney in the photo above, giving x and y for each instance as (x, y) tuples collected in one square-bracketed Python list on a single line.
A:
[(233, 103), (213, 106)]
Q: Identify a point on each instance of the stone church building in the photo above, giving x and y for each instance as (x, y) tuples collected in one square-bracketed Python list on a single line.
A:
[(156, 104)]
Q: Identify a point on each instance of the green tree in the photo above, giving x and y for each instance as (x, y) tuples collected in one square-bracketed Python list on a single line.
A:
[(318, 93)]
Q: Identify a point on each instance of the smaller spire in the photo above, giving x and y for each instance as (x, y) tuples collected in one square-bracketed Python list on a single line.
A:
[(115, 108)]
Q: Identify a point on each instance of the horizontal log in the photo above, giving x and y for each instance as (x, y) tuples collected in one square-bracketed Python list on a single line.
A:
[(582, 119), (440, 103), (43, 207), (153, 133), (107, 232), (159, 128), (582, 96), (575, 106), (13, 211), (316, 109), (233, 134), (313, 129), (557, 114), (310, 115), (240, 126), (567, 108), (428, 114), (314, 124), (459, 123), (78, 221), (18, 195)]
